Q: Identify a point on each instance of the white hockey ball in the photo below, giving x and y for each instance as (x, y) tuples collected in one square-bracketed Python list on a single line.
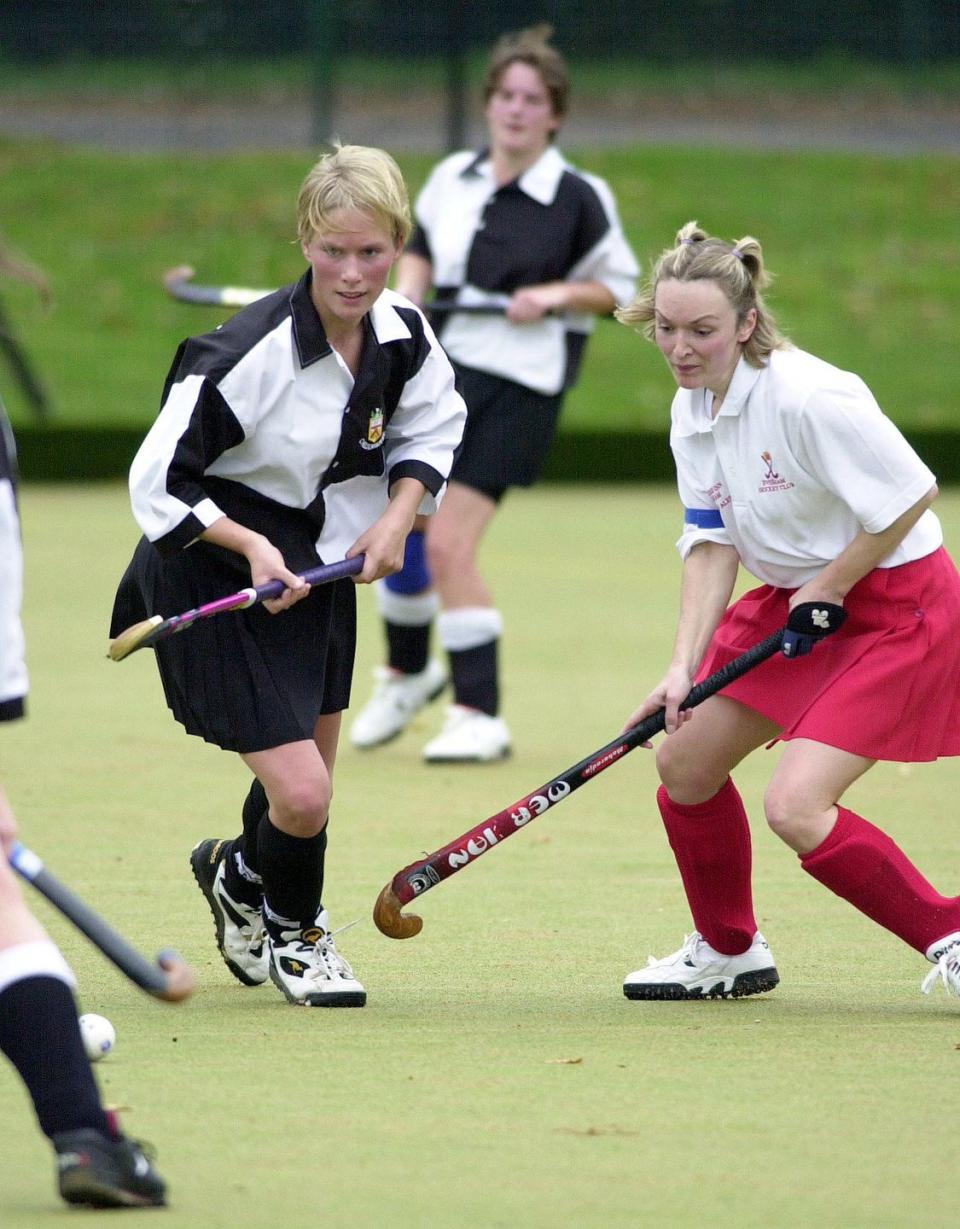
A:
[(99, 1036)]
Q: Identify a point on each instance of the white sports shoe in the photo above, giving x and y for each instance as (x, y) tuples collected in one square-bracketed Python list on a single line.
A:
[(240, 934), (696, 971), (468, 736), (309, 971), (396, 700), (945, 957)]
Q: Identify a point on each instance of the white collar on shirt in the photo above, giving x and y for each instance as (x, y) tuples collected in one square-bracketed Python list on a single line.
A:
[(691, 407), (388, 324), (539, 181)]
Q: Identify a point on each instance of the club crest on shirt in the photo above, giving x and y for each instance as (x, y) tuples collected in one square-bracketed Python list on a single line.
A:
[(771, 480), (374, 430)]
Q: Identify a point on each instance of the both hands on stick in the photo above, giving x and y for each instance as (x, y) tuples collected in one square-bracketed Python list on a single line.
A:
[(382, 546), (807, 624)]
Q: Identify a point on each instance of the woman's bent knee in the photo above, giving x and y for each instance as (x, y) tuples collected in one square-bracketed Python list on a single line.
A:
[(301, 812), (687, 778), (788, 819)]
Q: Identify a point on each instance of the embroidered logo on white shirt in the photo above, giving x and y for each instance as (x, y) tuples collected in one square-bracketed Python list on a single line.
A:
[(771, 480)]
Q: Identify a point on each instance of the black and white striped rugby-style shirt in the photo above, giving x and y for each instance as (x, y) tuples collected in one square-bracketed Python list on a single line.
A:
[(13, 668), (554, 223), (261, 420)]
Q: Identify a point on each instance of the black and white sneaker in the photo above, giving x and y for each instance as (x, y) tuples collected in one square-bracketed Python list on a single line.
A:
[(309, 971), (240, 933), (944, 955), (697, 971), (98, 1172)]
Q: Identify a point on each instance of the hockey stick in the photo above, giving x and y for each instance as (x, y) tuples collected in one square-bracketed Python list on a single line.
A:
[(22, 368), (179, 285), (171, 978), (148, 632), (809, 622)]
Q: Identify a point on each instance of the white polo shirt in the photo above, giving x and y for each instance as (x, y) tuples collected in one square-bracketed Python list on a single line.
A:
[(799, 459), (554, 223)]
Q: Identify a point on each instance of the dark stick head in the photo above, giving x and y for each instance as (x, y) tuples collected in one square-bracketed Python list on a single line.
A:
[(390, 921)]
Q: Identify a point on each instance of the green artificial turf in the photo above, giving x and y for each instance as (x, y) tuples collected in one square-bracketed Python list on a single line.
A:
[(863, 248), (497, 1077)]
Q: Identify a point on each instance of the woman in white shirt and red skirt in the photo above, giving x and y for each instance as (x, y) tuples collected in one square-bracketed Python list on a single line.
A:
[(787, 465)]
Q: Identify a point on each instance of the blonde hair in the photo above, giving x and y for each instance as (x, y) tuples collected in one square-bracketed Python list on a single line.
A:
[(354, 177), (530, 46), (737, 268)]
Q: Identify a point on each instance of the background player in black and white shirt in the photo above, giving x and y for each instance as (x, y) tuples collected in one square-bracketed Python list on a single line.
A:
[(38, 1016), (314, 424), (517, 227)]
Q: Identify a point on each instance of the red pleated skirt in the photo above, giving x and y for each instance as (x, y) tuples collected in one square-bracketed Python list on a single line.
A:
[(885, 686)]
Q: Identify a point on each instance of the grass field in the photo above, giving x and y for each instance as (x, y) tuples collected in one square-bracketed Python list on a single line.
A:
[(864, 249), (497, 1077)]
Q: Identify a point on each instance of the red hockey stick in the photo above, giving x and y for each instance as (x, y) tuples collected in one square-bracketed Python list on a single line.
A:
[(808, 623)]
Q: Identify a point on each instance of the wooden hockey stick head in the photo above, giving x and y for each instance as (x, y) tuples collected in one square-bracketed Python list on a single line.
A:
[(177, 275), (390, 921), (180, 981), (132, 638)]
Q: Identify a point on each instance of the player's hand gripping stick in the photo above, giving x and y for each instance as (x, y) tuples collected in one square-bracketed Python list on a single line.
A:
[(148, 632), (419, 877), (807, 624)]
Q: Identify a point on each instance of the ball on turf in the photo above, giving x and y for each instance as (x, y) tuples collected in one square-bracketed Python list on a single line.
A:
[(98, 1035)]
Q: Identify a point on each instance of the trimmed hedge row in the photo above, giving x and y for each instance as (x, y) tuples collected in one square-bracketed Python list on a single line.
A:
[(98, 454)]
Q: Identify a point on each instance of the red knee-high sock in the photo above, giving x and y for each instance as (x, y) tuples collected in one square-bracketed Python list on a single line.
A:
[(863, 865), (711, 842)]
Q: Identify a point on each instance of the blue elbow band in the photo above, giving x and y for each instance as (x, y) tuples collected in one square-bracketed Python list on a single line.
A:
[(703, 518), (414, 576)]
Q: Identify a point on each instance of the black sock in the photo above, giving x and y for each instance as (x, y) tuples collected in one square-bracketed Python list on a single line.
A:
[(292, 870), (40, 1036), (243, 885), (255, 806), (474, 674), (408, 647)]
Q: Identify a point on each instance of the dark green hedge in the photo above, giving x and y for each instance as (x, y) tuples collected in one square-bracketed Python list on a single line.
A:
[(93, 454)]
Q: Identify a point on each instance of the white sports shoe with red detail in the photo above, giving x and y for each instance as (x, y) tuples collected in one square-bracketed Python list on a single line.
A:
[(698, 971)]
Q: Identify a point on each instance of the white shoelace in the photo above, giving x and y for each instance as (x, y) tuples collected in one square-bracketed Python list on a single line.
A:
[(688, 949), (947, 970), (254, 934), (334, 963)]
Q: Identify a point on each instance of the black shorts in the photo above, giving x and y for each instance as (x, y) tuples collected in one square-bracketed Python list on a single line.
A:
[(246, 680), (508, 434)]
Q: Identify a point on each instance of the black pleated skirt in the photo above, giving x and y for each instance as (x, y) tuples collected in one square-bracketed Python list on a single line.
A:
[(246, 680)]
